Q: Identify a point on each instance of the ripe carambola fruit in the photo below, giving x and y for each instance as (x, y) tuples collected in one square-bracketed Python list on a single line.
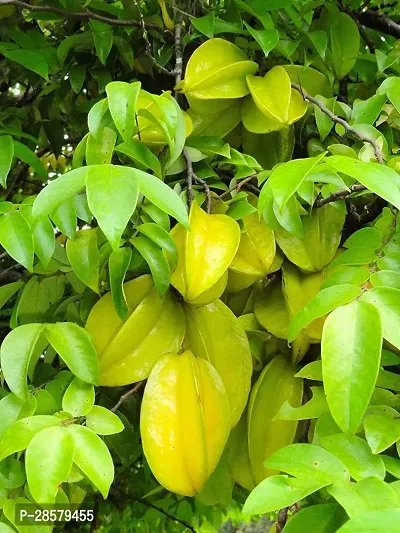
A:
[(129, 349), (274, 387), (215, 334), (184, 422), (205, 253)]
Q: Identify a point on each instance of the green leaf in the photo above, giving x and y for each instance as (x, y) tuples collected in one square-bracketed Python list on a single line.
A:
[(356, 455), (17, 437), (103, 422), (368, 494), (64, 217), (109, 186), (6, 157), (48, 461), (276, 492), (377, 178), (354, 256), (344, 40), (99, 150), (75, 348), (30, 59), (93, 458), (381, 431), (76, 76), (16, 352), (314, 408), (391, 87), (16, 238), (142, 155), (161, 237), (78, 399), (323, 303), (267, 39), (12, 408), (103, 40), (125, 50), (308, 461), (122, 98), (30, 158), (204, 25), (8, 291), (373, 522), (324, 518), (84, 256), (353, 275), (59, 190), (367, 111), (118, 264), (11, 512), (95, 117), (365, 237), (387, 301), (386, 278), (319, 40), (351, 351), (156, 260), (285, 179)]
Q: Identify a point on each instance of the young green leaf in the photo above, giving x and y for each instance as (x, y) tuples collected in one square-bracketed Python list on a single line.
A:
[(8, 291), (356, 455), (78, 399), (64, 217), (267, 39), (381, 431), (48, 461), (354, 256), (164, 240), (84, 256), (122, 98), (118, 264), (16, 238), (93, 458), (99, 150), (58, 191), (308, 460), (314, 408), (365, 237), (17, 437), (377, 178), (6, 157), (109, 186), (75, 348), (323, 303), (12, 408), (353, 275), (156, 260), (30, 59), (276, 492), (373, 522), (323, 518), (95, 117), (142, 155), (387, 301), (16, 352), (103, 422), (351, 351), (27, 156)]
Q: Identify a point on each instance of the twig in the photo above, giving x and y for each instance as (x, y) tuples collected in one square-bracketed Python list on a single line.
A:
[(282, 519), (190, 175), (364, 5), (206, 189), (85, 15), (236, 187), (340, 195), (162, 69), (165, 513), (306, 423), (380, 22), (344, 123), (178, 49), (126, 395)]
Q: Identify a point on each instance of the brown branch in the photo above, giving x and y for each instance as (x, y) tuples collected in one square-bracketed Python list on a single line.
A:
[(84, 15), (165, 513), (190, 175), (340, 195), (282, 519), (149, 54), (126, 395), (237, 187), (178, 49), (206, 189), (344, 123), (380, 22)]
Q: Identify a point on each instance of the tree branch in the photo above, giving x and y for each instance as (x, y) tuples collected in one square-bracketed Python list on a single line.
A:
[(340, 195), (380, 22), (237, 187), (178, 49), (344, 123), (84, 15), (165, 513), (126, 395), (189, 178)]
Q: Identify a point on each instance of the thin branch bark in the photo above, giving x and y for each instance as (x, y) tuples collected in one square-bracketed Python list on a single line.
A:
[(380, 22), (352, 131), (237, 187), (190, 175), (165, 513), (207, 190), (340, 195), (84, 15), (178, 49), (282, 519), (126, 395)]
